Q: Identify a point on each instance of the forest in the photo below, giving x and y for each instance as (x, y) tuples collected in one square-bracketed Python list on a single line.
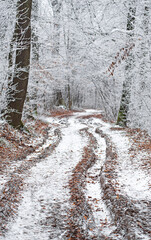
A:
[(87, 54), (75, 111)]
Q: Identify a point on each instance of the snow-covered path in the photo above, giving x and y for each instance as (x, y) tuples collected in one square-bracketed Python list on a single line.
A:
[(45, 204), (63, 198)]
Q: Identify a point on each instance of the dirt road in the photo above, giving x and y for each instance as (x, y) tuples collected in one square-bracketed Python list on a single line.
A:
[(81, 184)]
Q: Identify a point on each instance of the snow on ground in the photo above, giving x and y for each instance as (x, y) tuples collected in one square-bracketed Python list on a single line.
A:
[(43, 211), (135, 183), (132, 180), (46, 199), (5, 177)]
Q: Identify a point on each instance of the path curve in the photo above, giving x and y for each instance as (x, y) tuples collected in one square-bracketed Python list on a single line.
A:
[(69, 190)]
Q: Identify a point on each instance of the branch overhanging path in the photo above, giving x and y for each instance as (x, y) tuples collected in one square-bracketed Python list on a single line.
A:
[(82, 184)]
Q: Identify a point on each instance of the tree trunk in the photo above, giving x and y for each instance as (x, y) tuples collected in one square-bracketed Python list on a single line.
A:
[(125, 99), (59, 99), (17, 86), (35, 44), (69, 100), (56, 7), (144, 45)]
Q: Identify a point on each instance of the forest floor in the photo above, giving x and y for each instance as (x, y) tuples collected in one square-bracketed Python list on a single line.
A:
[(75, 176)]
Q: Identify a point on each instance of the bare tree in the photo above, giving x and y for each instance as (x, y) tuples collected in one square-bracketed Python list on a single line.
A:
[(56, 7), (125, 99), (18, 80)]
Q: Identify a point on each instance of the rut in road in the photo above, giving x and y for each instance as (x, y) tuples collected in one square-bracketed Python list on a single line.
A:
[(49, 188), (64, 191), (89, 217), (81, 215)]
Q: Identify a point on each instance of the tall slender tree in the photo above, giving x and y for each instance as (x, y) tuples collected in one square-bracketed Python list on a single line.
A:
[(18, 80), (56, 7), (125, 99), (35, 43)]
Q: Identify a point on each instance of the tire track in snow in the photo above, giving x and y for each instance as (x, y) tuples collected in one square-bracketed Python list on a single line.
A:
[(43, 211), (80, 215), (84, 217), (50, 210), (103, 221), (103, 226)]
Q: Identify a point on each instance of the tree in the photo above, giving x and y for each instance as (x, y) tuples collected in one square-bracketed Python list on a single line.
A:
[(35, 42), (18, 80), (125, 99), (56, 7), (140, 107)]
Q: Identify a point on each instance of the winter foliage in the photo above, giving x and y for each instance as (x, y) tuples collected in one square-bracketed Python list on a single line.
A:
[(82, 54)]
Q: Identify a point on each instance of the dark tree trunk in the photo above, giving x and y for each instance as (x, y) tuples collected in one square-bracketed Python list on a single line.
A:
[(17, 85), (59, 99)]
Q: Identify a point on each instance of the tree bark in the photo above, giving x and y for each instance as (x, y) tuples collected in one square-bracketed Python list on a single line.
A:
[(56, 7), (125, 99), (35, 44), (17, 86)]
